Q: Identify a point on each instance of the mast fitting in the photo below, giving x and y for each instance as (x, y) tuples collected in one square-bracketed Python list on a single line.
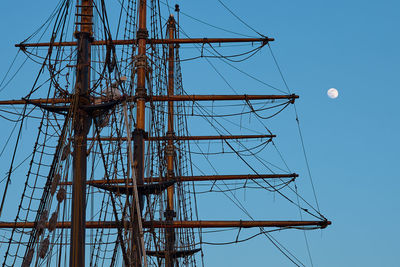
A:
[(169, 214), (142, 34)]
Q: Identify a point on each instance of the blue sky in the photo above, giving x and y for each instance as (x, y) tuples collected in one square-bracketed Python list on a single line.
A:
[(352, 142)]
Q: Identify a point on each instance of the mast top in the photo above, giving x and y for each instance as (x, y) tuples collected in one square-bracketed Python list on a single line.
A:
[(84, 14)]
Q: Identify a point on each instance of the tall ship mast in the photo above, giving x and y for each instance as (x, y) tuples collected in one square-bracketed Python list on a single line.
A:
[(122, 154)]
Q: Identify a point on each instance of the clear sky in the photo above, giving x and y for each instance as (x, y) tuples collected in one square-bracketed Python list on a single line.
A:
[(352, 142)]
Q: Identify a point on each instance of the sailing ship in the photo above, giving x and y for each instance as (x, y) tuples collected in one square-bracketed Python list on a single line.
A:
[(117, 170)]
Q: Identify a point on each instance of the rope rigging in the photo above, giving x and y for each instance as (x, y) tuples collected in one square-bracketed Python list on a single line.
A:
[(114, 74)]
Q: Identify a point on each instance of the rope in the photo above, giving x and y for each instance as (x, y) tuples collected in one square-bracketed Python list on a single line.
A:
[(242, 21), (299, 130)]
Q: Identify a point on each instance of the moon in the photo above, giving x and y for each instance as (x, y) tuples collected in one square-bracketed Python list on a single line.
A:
[(333, 93)]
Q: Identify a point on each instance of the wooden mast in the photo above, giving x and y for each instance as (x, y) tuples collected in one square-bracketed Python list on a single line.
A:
[(139, 132), (170, 151), (81, 126)]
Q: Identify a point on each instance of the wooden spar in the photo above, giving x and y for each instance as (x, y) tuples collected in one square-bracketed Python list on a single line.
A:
[(156, 41), (139, 132), (209, 137), (219, 97), (200, 178), (170, 132), (180, 224), (134, 192), (160, 98), (190, 138), (36, 101), (81, 126), (210, 40), (170, 150)]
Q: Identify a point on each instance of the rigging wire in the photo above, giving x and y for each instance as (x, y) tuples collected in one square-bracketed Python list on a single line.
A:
[(275, 242), (214, 126), (286, 254), (291, 189), (231, 65), (271, 185), (299, 130), (304, 153), (304, 232), (253, 111), (214, 26), (208, 24), (242, 21), (248, 54), (8, 71), (279, 246)]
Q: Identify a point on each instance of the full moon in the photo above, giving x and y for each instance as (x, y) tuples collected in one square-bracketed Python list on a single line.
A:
[(333, 93)]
